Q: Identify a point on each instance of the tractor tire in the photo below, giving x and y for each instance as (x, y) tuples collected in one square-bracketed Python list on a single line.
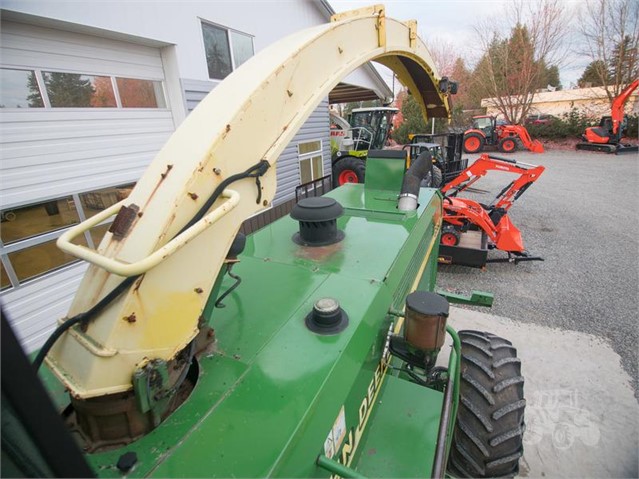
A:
[(348, 170), (435, 180), (473, 143), (507, 145), (450, 236), (488, 437)]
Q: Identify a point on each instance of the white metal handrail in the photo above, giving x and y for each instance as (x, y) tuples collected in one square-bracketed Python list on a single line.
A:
[(120, 268)]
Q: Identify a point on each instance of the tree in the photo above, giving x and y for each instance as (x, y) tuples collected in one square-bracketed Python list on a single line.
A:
[(68, 89), (413, 121), (34, 98), (595, 74), (610, 33), (514, 65)]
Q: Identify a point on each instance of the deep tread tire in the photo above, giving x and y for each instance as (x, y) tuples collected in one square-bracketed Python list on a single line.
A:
[(434, 180), (473, 143), (507, 145), (488, 438), (354, 168)]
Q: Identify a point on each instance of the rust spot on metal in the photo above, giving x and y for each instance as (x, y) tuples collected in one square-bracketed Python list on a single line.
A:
[(265, 203), (340, 49), (165, 174), (228, 128), (193, 196), (138, 283), (289, 93), (131, 318), (285, 127), (199, 290), (123, 221), (217, 171), (140, 214)]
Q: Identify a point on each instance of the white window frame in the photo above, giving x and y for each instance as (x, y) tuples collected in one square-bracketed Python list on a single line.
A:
[(229, 39), (309, 156)]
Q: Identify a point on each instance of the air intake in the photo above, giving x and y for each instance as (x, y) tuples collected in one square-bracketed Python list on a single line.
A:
[(317, 218)]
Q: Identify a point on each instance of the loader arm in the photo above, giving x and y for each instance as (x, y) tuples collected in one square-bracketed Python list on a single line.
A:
[(170, 237), (528, 174), (618, 106)]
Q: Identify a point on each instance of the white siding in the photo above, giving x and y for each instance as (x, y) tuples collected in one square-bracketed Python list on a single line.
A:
[(317, 127), (48, 153), (34, 308)]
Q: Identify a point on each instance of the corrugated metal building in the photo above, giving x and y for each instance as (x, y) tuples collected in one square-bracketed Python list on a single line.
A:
[(90, 91)]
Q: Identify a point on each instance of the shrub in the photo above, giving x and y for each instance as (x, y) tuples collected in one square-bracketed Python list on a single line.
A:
[(573, 124)]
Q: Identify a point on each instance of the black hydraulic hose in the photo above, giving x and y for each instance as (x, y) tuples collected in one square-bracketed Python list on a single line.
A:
[(254, 171), (78, 318)]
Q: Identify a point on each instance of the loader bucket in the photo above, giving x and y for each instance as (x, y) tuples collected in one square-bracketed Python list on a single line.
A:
[(536, 146)]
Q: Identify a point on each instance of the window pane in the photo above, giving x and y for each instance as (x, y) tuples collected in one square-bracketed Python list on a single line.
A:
[(95, 201), (305, 171), (98, 233), (24, 222), (309, 147), (19, 89), (5, 282), (216, 47), (31, 262), (136, 93), (318, 168), (242, 47), (74, 90)]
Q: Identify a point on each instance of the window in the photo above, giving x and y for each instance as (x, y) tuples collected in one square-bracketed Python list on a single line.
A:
[(19, 89), (74, 90), (135, 93), (47, 89), (311, 164), (225, 50), (28, 233)]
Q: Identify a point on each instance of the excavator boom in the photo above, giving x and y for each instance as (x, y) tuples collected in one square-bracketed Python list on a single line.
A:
[(618, 105)]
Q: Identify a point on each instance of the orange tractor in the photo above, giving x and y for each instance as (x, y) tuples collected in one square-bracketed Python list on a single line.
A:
[(471, 228), (507, 138)]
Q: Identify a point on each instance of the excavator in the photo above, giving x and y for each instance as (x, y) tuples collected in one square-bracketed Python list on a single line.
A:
[(506, 138), (608, 135), (471, 228), (321, 361)]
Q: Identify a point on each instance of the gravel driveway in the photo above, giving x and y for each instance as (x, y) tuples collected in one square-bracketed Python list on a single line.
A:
[(581, 217)]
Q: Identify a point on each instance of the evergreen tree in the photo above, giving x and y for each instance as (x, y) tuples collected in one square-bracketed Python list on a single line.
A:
[(68, 90), (595, 74), (624, 63), (34, 98)]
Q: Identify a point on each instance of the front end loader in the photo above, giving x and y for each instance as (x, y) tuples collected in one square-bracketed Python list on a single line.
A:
[(471, 228), (315, 347)]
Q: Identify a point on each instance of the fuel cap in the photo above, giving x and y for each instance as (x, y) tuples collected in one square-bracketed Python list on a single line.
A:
[(326, 317)]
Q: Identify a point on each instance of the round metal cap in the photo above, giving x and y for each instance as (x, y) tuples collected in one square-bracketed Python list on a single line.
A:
[(326, 317)]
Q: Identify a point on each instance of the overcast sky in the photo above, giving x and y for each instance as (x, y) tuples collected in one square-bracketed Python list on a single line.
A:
[(453, 21)]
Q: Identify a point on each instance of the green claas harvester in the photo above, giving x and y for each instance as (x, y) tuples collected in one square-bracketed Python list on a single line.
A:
[(315, 347)]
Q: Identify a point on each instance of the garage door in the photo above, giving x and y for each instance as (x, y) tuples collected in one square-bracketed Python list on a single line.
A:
[(81, 117)]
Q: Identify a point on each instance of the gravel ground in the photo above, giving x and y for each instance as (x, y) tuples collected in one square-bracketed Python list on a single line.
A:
[(581, 217)]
